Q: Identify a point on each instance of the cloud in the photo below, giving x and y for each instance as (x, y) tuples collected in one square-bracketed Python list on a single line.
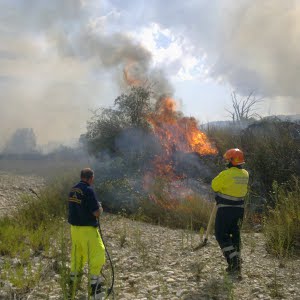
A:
[(173, 54)]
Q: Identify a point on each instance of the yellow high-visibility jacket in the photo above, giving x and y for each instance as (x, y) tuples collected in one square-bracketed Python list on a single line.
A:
[(232, 182)]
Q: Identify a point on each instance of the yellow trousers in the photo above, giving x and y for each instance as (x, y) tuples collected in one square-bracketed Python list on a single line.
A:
[(87, 246)]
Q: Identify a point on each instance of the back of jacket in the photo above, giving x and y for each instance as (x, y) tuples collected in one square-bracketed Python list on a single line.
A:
[(232, 182), (82, 203)]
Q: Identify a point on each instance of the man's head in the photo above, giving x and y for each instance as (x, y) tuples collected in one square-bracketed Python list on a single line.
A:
[(87, 175)]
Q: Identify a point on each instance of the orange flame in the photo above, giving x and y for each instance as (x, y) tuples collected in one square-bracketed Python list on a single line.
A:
[(176, 133)]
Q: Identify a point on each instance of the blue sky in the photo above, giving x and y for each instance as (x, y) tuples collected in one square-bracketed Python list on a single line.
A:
[(60, 59)]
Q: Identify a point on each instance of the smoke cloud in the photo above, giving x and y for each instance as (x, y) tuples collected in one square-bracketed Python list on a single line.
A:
[(260, 48), (60, 59), (251, 45), (57, 63)]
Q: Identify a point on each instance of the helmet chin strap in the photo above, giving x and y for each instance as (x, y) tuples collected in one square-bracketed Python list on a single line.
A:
[(229, 164)]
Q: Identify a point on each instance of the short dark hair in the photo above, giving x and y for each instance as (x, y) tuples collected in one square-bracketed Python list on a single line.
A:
[(86, 173)]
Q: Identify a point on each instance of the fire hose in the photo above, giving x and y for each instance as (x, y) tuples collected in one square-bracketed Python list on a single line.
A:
[(110, 290)]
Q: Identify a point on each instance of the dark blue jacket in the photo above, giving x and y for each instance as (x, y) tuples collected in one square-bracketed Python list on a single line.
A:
[(82, 203)]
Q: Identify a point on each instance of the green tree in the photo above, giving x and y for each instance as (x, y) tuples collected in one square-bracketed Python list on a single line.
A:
[(129, 111)]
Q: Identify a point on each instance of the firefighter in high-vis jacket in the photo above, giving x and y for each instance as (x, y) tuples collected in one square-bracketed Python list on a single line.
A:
[(230, 186), (87, 245)]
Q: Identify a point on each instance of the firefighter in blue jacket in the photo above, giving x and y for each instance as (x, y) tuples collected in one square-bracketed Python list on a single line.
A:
[(87, 245), (230, 186)]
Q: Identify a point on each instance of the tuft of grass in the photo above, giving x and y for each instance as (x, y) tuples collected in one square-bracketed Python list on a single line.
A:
[(275, 286), (282, 223), (123, 236)]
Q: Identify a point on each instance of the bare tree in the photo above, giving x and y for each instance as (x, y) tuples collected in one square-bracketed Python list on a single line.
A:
[(243, 108)]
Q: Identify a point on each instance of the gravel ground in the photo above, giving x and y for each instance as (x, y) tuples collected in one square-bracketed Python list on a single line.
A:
[(12, 186), (154, 262)]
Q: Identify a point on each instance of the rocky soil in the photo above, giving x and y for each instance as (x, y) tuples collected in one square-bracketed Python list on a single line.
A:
[(12, 186), (153, 262)]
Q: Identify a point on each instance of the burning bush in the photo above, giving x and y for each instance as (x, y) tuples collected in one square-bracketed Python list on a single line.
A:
[(175, 206), (148, 139)]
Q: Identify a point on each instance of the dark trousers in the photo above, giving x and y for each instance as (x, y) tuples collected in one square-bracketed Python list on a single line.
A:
[(227, 231)]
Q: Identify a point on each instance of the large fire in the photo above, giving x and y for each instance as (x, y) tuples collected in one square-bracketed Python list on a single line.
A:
[(176, 133)]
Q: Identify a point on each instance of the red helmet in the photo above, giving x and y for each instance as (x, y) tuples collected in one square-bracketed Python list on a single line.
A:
[(235, 156)]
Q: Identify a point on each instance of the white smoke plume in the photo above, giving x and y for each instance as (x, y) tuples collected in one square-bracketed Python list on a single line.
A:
[(61, 58), (56, 64), (251, 45), (260, 48)]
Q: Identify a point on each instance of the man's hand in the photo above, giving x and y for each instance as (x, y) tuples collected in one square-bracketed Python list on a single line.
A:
[(98, 212)]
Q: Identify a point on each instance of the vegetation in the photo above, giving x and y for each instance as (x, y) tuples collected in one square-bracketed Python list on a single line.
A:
[(282, 223), (35, 229), (129, 111), (272, 155), (271, 148), (191, 212), (121, 140)]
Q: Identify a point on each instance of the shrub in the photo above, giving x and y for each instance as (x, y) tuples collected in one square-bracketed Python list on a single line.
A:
[(282, 223), (271, 150), (272, 153), (191, 212)]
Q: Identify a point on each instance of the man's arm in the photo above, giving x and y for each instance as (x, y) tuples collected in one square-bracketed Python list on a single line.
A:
[(95, 206), (218, 181)]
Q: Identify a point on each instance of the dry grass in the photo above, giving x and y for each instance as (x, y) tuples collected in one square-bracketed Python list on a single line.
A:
[(282, 223)]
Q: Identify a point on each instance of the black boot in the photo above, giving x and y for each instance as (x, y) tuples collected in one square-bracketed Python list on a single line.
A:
[(97, 291), (234, 269)]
